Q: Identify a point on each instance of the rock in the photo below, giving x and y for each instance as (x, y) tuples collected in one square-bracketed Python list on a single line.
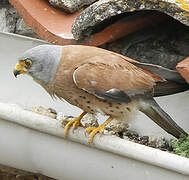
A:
[(11, 21), (164, 44), (70, 6), (23, 29), (46, 112), (117, 127), (60, 116), (159, 142), (51, 110), (89, 120), (4, 2), (130, 135), (152, 141), (8, 21), (103, 11), (9, 173)]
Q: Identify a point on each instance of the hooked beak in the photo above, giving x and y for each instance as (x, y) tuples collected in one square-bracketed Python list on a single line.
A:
[(19, 69)]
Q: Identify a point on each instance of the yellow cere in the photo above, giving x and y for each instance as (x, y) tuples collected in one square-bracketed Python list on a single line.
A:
[(22, 65), (20, 68)]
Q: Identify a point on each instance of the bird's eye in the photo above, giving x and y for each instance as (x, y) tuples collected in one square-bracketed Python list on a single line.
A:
[(28, 62)]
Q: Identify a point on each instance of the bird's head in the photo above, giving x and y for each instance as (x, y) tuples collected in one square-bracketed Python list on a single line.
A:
[(40, 62)]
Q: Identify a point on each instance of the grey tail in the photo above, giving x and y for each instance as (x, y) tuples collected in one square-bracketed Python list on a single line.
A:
[(150, 108)]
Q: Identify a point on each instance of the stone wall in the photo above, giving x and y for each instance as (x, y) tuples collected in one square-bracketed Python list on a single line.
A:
[(11, 22)]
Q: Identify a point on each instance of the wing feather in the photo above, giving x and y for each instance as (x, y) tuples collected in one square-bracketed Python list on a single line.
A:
[(117, 82)]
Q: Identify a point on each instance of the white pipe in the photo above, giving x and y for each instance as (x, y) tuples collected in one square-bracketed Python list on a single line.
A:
[(16, 114)]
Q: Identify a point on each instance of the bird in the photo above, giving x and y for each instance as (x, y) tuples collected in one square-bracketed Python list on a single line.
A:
[(101, 81)]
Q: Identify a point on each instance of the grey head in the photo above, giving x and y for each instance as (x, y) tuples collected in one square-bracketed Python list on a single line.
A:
[(45, 60)]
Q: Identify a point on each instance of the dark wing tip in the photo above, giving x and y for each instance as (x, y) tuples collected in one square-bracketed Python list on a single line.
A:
[(114, 95)]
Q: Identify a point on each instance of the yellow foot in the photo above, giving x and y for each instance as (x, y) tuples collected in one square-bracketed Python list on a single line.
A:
[(94, 130), (75, 123)]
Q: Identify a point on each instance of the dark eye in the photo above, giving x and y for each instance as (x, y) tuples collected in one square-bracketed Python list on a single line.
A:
[(28, 62)]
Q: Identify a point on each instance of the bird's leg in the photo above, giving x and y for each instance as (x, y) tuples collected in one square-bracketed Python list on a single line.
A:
[(94, 130), (75, 123)]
